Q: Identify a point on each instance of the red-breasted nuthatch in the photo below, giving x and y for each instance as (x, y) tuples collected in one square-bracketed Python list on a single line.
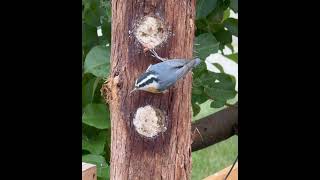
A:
[(159, 77)]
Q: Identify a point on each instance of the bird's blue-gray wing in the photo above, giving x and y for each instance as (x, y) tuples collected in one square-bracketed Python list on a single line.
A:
[(171, 71)]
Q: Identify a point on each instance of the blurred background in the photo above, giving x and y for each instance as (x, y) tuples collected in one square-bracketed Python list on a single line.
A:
[(208, 161)]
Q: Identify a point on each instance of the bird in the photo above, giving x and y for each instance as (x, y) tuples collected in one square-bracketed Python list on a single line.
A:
[(158, 78)]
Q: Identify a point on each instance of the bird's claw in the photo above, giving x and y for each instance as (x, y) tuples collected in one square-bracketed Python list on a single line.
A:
[(155, 54)]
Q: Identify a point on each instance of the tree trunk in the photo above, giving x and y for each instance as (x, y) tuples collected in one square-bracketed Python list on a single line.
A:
[(167, 155)]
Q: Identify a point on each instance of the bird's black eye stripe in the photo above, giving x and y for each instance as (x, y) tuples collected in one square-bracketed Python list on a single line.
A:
[(178, 67), (149, 81), (144, 76)]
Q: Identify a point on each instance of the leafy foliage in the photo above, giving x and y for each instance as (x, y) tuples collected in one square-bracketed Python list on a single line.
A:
[(96, 62), (234, 5), (204, 7), (232, 25), (214, 32), (93, 115), (218, 87), (95, 144), (206, 44), (96, 14), (100, 161)]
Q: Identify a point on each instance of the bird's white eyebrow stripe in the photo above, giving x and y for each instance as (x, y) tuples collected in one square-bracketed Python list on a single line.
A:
[(147, 78)]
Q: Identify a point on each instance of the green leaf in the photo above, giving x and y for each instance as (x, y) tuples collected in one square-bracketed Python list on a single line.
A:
[(108, 145), (224, 4), (224, 37), (202, 25), (216, 16), (226, 14), (207, 79), (106, 9), (206, 44), (94, 159), (234, 5), (217, 86), (204, 7), (97, 61), (197, 90), (89, 36), (213, 28), (218, 66), (196, 82), (95, 85), (92, 13), (233, 57), (95, 144), (220, 94), (196, 109), (104, 172), (232, 25), (224, 81), (85, 152), (100, 162), (106, 33), (199, 70), (87, 91), (217, 104), (199, 99), (96, 115)]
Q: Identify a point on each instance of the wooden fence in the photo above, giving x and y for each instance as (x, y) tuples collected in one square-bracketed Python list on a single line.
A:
[(89, 171)]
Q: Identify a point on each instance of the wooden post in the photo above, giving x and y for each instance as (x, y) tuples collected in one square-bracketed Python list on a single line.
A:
[(166, 155), (89, 171)]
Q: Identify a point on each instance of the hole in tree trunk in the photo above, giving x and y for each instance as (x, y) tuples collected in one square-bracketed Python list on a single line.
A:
[(149, 121), (150, 32)]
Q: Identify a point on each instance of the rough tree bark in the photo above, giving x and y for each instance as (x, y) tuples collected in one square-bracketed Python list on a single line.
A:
[(168, 155)]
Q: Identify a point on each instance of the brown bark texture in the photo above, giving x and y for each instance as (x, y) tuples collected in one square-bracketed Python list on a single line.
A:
[(215, 128), (168, 155)]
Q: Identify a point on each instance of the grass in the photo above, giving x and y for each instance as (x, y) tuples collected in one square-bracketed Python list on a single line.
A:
[(207, 161)]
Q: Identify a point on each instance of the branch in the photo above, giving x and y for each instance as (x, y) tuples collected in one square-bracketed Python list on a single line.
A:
[(215, 128)]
